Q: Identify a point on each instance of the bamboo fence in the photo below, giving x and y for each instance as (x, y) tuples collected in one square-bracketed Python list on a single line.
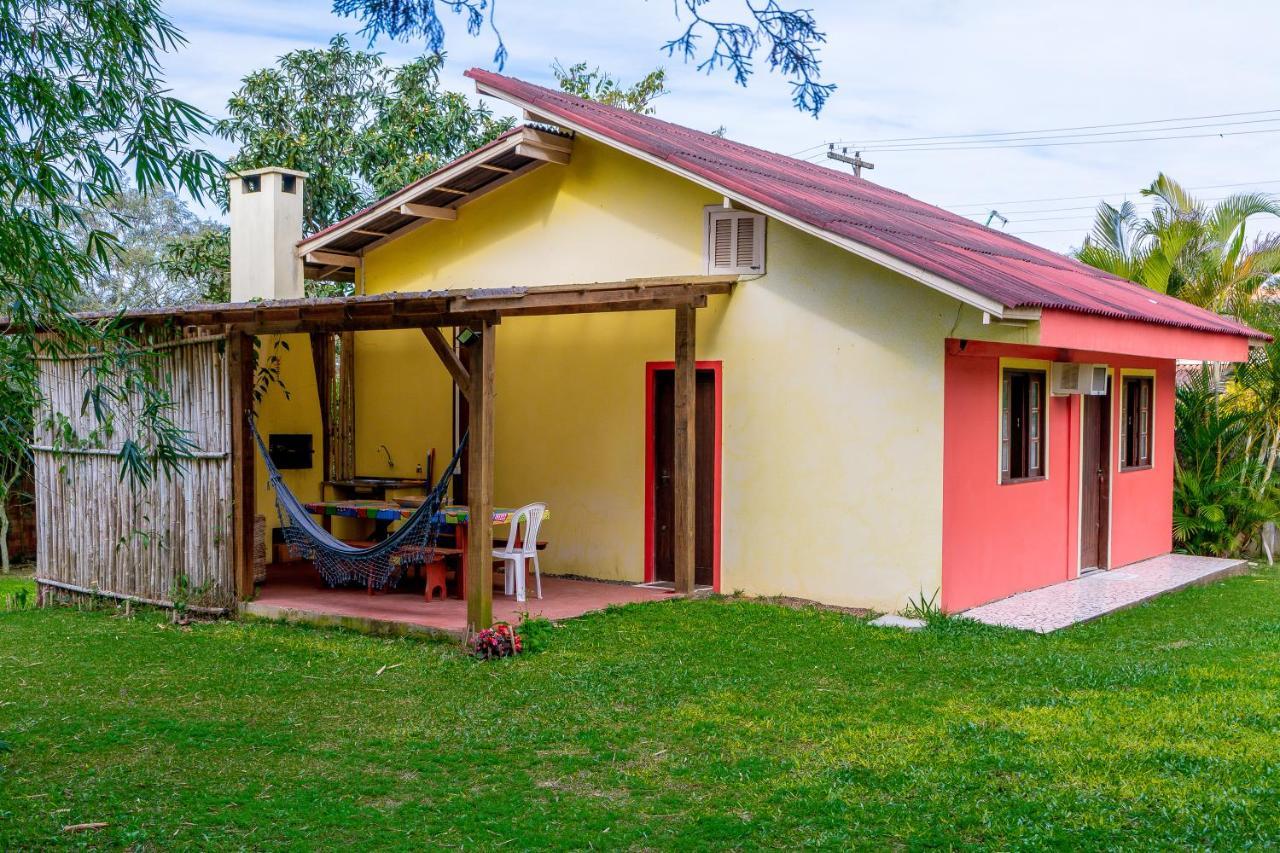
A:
[(98, 531)]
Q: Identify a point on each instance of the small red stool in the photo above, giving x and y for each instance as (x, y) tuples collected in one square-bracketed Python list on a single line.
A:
[(436, 575)]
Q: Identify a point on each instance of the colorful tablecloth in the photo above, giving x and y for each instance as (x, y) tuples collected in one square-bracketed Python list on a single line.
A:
[(388, 511)]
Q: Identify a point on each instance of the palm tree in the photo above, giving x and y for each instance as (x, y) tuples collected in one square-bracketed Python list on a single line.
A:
[(1188, 249)]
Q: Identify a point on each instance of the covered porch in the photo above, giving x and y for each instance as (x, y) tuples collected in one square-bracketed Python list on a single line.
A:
[(460, 327)]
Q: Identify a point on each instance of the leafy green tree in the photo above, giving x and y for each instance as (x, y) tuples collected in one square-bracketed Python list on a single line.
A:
[(143, 226), (359, 128), (788, 38), (16, 394), (83, 108), (596, 85), (204, 259), (1196, 252), (417, 127), (1223, 488)]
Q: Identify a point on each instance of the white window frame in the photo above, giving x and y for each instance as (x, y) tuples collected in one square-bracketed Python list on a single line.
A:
[(715, 212)]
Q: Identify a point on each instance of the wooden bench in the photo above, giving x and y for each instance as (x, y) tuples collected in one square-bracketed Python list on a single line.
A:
[(434, 571)]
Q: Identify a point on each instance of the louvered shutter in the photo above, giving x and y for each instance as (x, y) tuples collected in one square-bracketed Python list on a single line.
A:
[(734, 241), (722, 243)]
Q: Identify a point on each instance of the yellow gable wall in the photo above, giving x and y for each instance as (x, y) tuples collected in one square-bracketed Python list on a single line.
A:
[(832, 372)]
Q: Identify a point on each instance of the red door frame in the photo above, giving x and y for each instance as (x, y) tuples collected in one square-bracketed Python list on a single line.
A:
[(650, 368)]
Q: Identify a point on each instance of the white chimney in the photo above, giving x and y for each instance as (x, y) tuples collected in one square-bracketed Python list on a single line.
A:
[(266, 225)]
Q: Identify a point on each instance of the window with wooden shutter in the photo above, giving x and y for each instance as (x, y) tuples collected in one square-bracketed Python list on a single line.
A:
[(1135, 449), (734, 241), (1022, 445)]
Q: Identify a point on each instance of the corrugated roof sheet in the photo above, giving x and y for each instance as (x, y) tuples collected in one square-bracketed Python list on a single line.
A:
[(991, 263)]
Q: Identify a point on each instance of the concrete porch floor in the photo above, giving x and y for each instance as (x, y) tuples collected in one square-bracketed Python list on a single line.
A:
[(296, 593), (1099, 593)]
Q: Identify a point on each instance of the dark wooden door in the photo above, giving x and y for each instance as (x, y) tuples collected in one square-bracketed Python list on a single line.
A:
[(1095, 481), (664, 506)]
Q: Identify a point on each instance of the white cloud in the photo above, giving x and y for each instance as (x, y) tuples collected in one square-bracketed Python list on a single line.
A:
[(904, 69)]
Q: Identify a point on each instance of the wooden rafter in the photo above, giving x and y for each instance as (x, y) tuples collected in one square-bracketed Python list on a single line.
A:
[(550, 155), (427, 211), (540, 147), (336, 259)]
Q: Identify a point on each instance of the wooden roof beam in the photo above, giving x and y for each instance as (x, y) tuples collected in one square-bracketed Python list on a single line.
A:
[(334, 259), (547, 155), (427, 211), (554, 141)]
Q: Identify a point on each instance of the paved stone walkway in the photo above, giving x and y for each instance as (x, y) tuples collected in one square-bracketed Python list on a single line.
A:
[(1099, 593)]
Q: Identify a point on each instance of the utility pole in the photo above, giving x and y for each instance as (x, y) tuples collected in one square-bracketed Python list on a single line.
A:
[(855, 161)]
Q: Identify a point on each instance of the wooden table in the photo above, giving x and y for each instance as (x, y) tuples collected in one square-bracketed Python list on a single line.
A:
[(383, 513)]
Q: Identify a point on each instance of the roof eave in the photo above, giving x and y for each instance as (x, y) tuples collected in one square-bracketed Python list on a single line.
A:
[(519, 140)]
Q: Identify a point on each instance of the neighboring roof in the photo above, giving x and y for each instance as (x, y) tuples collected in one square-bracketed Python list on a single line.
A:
[(509, 155), (992, 270)]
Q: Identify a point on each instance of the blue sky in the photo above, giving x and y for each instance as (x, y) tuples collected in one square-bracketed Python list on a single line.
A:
[(904, 69)]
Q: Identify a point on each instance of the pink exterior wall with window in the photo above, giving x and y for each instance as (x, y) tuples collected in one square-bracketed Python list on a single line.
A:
[(1002, 538)]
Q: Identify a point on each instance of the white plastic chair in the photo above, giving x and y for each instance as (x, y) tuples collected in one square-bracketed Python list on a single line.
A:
[(525, 522)]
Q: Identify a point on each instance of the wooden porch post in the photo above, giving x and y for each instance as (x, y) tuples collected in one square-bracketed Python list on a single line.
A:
[(240, 373), (322, 361), (480, 480), (685, 450)]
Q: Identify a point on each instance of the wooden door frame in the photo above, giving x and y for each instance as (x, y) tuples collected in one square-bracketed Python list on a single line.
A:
[(1110, 416), (650, 370)]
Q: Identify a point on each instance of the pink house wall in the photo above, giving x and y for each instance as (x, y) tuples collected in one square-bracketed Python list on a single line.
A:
[(1142, 501), (1001, 539)]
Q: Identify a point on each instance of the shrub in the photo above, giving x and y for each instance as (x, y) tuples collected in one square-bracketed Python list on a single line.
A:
[(1224, 489), (500, 641), (535, 633)]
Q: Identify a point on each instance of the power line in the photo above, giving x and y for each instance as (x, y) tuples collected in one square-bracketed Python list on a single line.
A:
[(1082, 138), (1040, 130), (1101, 195), (1015, 214), (1074, 142), (1050, 231)]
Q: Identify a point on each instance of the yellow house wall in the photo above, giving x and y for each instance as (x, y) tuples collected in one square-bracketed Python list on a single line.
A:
[(298, 412), (832, 385)]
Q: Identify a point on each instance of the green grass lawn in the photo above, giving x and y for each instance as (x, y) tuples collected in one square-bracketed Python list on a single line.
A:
[(723, 723)]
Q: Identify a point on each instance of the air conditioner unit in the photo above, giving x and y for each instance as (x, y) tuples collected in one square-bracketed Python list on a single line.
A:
[(1072, 378)]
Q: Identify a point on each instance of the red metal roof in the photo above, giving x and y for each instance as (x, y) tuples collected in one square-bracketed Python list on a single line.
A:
[(993, 264)]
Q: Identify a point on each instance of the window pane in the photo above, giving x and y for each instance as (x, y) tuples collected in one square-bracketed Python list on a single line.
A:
[(1022, 426), (1004, 426), (1135, 444)]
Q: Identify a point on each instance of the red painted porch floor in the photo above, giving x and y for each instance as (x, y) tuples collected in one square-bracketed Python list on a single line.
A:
[(295, 592), (1099, 593)]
